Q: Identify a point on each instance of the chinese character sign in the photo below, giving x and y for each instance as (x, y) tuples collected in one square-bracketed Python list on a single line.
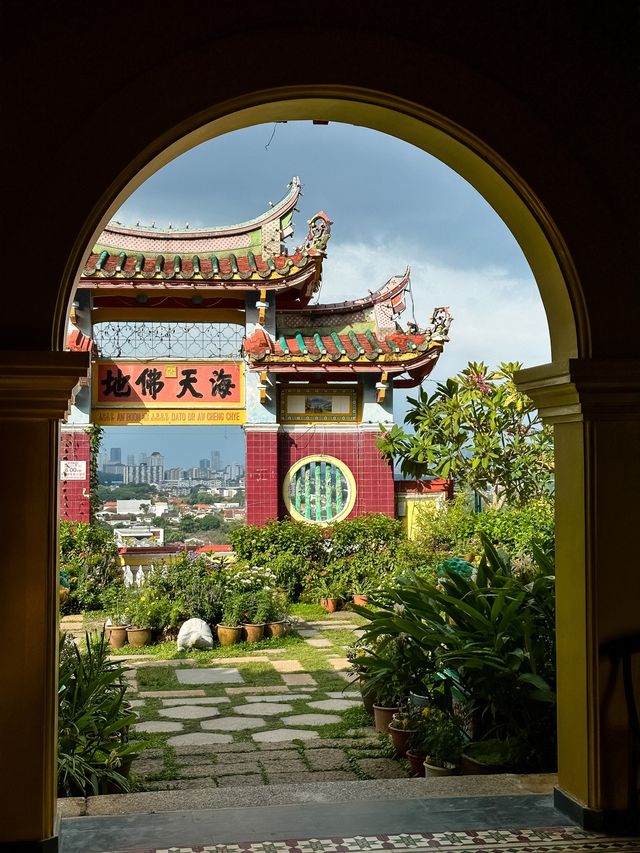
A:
[(210, 384)]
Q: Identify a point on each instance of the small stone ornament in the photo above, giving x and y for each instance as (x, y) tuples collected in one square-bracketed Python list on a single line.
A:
[(195, 634)]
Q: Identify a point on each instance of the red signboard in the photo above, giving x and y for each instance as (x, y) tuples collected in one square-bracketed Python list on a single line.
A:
[(208, 384)]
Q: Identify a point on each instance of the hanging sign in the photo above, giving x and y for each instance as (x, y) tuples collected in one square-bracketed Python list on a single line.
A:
[(170, 392)]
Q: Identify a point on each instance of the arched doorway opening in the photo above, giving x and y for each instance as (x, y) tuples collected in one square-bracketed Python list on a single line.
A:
[(581, 773)]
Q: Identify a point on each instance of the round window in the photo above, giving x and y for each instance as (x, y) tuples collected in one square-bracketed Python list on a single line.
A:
[(319, 490)]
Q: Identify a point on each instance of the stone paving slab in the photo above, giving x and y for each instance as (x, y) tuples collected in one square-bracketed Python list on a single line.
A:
[(197, 771), (189, 712), (381, 768), (345, 743), (319, 643), (284, 697), (277, 746), (136, 703), (304, 632), (326, 759), (345, 694), (160, 662), (196, 740), (237, 781), (147, 766), (293, 765), (158, 726), (287, 666), (170, 694), (295, 679), (252, 691), (335, 704), (278, 735), (206, 700), (311, 719), (209, 676), (233, 724), (267, 708), (182, 784), (340, 663), (239, 759), (223, 744), (246, 659)]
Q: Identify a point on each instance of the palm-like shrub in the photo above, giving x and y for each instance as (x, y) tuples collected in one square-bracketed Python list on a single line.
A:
[(93, 721), (484, 643)]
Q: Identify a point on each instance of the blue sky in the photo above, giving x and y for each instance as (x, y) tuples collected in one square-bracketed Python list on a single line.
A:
[(391, 205)]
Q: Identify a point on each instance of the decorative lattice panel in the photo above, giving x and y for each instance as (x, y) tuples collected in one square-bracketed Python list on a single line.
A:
[(147, 340), (319, 489)]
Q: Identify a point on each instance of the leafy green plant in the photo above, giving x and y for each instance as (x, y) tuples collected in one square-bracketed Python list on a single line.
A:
[(441, 739), (487, 642), (89, 561), (480, 431), (233, 609), (186, 586), (93, 721), (497, 753)]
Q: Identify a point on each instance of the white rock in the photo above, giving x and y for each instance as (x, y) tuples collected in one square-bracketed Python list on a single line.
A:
[(195, 634)]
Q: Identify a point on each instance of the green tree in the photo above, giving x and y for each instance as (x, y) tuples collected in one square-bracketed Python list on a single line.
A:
[(478, 430)]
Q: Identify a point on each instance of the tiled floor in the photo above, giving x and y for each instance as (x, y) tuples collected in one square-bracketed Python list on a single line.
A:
[(521, 824)]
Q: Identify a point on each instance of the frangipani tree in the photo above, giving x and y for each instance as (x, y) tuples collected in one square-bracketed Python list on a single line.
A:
[(478, 430)]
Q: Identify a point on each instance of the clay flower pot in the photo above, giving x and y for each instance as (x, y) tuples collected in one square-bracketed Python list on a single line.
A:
[(382, 717), (416, 762), (434, 770), (360, 599), (401, 738), (276, 629), (138, 636), (253, 633), (117, 636), (229, 635), (329, 604)]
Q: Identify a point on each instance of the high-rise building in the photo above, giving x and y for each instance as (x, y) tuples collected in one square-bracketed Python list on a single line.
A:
[(115, 454), (215, 460), (131, 459), (204, 463)]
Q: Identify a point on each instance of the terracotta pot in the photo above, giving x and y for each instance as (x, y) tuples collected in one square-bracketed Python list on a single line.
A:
[(360, 599), (329, 604), (416, 762), (471, 767), (117, 636), (382, 717), (367, 700), (253, 633), (276, 629), (229, 635), (138, 636), (401, 739), (433, 770)]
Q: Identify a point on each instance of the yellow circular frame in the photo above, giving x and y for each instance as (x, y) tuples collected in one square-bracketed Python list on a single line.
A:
[(344, 470)]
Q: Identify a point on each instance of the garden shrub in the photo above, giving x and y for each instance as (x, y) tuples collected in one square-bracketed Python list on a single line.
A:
[(370, 533), (455, 528), (484, 642), (93, 721), (259, 545), (89, 563), (188, 586)]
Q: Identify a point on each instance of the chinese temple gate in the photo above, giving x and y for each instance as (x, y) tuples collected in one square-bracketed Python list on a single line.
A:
[(215, 327)]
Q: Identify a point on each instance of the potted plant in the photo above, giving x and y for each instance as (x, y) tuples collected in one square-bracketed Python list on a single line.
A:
[(230, 629), (278, 616), (255, 607), (113, 601), (491, 755), (137, 609), (361, 592), (442, 742), (403, 726)]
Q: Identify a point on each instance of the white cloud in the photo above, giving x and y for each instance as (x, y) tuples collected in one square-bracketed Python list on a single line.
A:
[(497, 317)]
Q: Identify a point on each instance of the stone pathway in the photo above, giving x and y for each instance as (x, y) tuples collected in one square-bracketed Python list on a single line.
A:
[(263, 719)]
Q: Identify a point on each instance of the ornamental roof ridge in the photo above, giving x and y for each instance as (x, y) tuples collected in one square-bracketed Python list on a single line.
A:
[(392, 289), (278, 210)]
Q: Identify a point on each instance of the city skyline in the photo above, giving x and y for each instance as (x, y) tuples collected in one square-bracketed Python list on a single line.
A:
[(173, 457)]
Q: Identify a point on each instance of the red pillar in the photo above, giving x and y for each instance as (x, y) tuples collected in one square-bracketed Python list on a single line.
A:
[(75, 488), (262, 482)]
